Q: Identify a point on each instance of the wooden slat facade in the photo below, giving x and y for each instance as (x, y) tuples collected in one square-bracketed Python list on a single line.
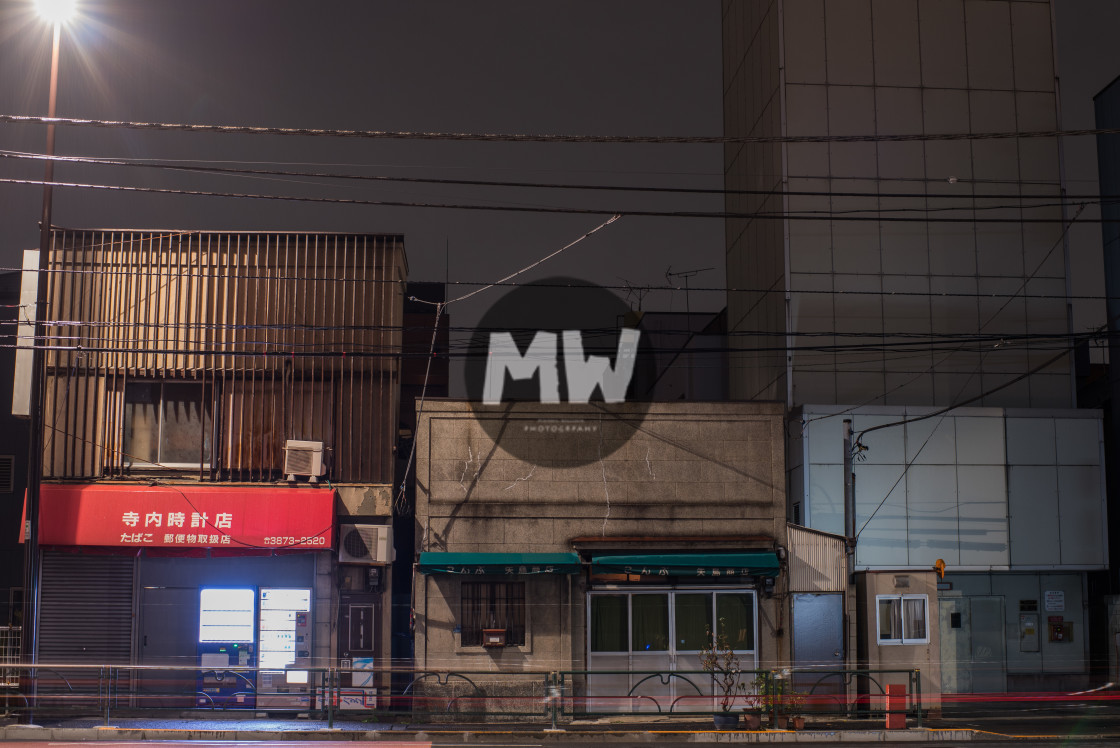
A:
[(291, 336)]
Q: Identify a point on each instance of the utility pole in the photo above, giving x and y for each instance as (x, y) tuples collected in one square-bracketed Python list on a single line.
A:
[(849, 501)]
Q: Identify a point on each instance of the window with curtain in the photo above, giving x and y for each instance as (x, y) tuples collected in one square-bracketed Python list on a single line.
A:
[(902, 619), (670, 621), (693, 616), (649, 627), (736, 610), (609, 623), (492, 605)]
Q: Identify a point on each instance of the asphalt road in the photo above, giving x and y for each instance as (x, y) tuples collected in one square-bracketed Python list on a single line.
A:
[(1052, 727), (575, 742)]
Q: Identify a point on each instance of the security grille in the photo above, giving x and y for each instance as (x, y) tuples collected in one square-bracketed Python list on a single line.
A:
[(9, 656), (7, 473)]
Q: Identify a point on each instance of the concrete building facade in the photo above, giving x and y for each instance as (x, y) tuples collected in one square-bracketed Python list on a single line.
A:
[(854, 245), (620, 563), (913, 267)]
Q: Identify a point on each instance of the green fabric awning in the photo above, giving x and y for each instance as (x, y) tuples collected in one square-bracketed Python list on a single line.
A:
[(512, 564), (715, 566)]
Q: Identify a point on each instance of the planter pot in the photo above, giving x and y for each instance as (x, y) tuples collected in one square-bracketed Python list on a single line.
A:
[(781, 722), (725, 720), (797, 723), (752, 721)]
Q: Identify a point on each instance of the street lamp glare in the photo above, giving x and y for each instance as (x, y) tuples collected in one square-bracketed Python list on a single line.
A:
[(56, 11)]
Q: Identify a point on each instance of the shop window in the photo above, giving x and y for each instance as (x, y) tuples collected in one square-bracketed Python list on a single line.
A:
[(693, 615), (902, 619), (649, 625), (166, 424), (492, 606), (736, 612), (669, 621), (609, 622)]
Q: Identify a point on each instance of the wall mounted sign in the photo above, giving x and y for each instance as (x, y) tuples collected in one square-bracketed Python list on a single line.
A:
[(186, 516)]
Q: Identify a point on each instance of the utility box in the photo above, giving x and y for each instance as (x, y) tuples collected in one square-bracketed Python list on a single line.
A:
[(896, 706)]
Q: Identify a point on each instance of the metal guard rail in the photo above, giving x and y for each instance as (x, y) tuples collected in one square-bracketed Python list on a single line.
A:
[(761, 696), (68, 689)]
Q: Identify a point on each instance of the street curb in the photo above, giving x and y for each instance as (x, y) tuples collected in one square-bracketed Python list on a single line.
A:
[(17, 733)]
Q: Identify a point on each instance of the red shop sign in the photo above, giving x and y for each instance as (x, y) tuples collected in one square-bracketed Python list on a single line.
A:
[(174, 516)]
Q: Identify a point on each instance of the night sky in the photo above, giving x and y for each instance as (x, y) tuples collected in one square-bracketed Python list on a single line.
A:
[(604, 67), (513, 67)]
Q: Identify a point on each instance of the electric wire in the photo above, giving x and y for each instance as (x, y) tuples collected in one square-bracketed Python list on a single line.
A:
[(935, 366), (873, 214), (220, 276), (543, 137), (142, 346), (219, 170), (435, 330), (942, 412)]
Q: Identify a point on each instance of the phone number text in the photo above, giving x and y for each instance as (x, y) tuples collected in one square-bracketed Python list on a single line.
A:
[(287, 540)]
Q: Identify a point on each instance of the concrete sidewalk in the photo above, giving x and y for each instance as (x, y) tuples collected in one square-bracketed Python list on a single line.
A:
[(953, 730)]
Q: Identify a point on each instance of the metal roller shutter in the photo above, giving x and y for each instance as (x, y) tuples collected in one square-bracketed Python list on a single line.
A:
[(85, 609)]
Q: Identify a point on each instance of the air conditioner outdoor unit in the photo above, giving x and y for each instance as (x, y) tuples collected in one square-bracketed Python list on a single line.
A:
[(303, 458), (365, 544)]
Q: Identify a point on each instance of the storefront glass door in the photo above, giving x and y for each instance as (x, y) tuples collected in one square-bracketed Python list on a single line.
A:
[(648, 640)]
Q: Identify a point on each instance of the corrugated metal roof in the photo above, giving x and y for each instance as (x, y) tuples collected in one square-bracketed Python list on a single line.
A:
[(817, 561)]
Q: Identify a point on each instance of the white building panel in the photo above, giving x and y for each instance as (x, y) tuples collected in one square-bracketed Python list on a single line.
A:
[(1030, 441), (980, 441), (1033, 507), (825, 438), (884, 447), (25, 334), (931, 442), (975, 487), (1078, 441), (1080, 515), (826, 498), (932, 522), (984, 534), (881, 514)]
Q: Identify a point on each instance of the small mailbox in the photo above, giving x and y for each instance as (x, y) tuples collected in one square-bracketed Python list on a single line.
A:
[(493, 637)]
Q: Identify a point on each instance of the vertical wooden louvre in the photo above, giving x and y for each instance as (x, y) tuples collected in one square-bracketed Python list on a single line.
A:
[(289, 336)]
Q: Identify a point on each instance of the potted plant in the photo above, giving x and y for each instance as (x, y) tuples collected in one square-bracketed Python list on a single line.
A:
[(775, 696), (718, 658), (793, 703)]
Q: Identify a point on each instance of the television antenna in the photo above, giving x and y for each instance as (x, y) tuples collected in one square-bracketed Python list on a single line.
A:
[(686, 274)]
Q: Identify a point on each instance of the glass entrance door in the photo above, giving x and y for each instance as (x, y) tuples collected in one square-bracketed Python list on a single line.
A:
[(644, 639)]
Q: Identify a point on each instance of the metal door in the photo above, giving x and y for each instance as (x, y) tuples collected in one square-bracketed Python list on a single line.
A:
[(987, 659), (956, 642), (168, 636), (818, 643), (357, 641)]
